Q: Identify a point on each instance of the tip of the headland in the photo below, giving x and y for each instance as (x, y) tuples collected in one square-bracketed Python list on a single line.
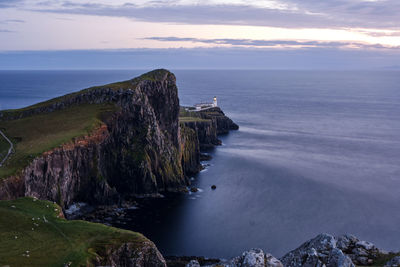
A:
[(156, 75)]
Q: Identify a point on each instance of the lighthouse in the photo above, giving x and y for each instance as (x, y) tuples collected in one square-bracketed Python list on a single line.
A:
[(215, 103)]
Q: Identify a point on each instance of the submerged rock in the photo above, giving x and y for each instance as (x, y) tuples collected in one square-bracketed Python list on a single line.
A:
[(194, 189), (213, 187)]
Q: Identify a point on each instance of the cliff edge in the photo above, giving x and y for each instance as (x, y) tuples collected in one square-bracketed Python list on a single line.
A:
[(97, 144)]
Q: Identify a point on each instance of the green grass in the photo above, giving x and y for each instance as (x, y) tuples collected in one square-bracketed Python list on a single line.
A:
[(383, 259), (189, 116), (40, 133), (55, 242), (191, 119)]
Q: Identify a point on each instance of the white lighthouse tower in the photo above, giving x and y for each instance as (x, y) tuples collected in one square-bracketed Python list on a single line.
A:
[(215, 103)]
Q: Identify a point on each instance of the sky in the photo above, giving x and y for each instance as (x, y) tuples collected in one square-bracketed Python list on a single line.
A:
[(270, 34)]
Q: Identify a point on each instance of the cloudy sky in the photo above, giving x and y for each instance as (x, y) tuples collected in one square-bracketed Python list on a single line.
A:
[(364, 31)]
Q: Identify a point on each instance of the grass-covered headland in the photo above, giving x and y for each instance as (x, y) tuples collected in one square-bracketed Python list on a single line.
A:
[(34, 234), (39, 133)]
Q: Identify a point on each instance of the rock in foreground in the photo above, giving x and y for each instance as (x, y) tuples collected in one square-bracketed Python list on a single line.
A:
[(324, 250)]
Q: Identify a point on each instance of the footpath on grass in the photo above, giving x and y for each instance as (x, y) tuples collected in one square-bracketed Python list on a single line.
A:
[(9, 150)]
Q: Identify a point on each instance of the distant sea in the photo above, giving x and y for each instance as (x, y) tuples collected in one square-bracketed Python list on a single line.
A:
[(317, 151)]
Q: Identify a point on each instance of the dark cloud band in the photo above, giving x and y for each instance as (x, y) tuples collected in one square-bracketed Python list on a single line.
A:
[(274, 43)]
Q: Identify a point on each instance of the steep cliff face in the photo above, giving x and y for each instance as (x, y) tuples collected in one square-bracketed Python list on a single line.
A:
[(206, 132), (190, 149), (135, 151), (223, 123), (208, 124)]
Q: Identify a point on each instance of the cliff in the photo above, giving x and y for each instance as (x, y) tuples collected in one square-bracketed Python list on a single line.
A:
[(107, 142), (208, 124), (129, 144)]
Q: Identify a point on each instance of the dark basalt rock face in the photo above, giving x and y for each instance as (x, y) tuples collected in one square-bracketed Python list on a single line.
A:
[(223, 123), (206, 133), (213, 123), (190, 151)]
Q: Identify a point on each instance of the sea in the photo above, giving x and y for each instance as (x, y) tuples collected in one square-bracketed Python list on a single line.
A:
[(316, 152)]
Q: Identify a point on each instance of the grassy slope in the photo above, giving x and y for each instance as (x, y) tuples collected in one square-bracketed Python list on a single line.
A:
[(383, 259), (39, 133), (55, 242), (189, 116)]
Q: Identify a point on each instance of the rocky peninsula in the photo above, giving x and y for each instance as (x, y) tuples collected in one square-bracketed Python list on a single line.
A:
[(124, 139), (100, 145), (109, 143)]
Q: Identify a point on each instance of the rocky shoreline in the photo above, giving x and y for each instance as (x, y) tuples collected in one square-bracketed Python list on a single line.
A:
[(323, 250)]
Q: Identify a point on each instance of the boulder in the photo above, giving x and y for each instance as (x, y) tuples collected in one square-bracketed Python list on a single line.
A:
[(271, 261), (319, 251), (360, 252), (338, 258)]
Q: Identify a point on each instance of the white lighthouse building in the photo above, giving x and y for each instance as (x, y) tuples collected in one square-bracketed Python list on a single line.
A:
[(203, 106)]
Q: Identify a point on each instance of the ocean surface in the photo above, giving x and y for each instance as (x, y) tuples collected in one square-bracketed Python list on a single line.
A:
[(317, 151)]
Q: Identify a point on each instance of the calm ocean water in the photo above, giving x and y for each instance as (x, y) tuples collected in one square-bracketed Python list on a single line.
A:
[(316, 152)]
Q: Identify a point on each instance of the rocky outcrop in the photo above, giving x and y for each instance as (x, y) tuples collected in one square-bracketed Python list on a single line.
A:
[(136, 151), (252, 258), (360, 252), (131, 255), (222, 122), (208, 124), (345, 250), (322, 251), (319, 251)]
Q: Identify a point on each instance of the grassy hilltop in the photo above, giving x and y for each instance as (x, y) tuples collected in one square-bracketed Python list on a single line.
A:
[(33, 234)]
